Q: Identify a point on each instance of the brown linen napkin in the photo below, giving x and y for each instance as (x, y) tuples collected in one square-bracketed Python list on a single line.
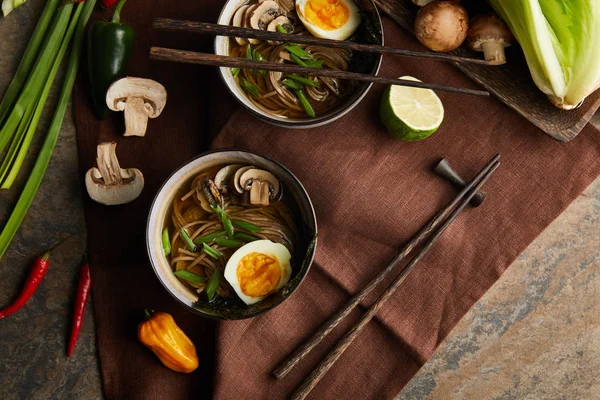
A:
[(370, 192)]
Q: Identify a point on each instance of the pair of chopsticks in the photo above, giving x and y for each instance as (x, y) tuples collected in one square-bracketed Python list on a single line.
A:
[(425, 237), (190, 57)]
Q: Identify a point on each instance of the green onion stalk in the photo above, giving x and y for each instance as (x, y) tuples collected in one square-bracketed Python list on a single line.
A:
[(8, 180), (43, 159), (28, 59), (38, 75)]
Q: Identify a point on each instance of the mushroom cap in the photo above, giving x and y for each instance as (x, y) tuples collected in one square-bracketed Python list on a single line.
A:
[(442, 25), (255, 174), (112, 195), (281, 20), (224, 176), (262, 15), (153, 93), (236, 179), (488, 28)]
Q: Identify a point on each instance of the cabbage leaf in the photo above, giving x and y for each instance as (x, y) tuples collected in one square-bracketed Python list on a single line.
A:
[(561, 42)]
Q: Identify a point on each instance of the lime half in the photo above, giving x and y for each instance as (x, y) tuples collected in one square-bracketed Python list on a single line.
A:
[(409, 113)]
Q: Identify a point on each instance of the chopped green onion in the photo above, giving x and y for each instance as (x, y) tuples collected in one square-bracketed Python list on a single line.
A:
[(188, 241), (248, 87), (189, 276), (227, 225), (290, 84), (43, 159), (249, 52), (314, 63), (247, 226), (235, 72), (245, 237), (209, 238), (304, 81), (213, 285), (210, 251), (228, 242), (298, 51), (305, 104), (298, 60), (166, 242), (252, 54), (281, 29)]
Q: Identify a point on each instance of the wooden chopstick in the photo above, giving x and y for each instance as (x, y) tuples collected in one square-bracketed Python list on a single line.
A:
[(191, 57), (166, 24), (289, 363), (311, 381)]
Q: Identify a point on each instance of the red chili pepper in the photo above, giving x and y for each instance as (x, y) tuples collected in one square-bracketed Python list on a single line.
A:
[(108, 3), (83, 292), (40, 266)]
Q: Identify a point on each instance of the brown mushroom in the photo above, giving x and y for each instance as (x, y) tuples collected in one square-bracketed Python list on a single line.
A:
[(237, 187), (110, 184), (139, 99), (224, 177), (488, 33), (442, 25), (284, 22), (238, 20), (262, 185), (262, 15)]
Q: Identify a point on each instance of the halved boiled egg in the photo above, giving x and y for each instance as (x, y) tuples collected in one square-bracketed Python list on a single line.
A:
[(329, 19), (258, 269)]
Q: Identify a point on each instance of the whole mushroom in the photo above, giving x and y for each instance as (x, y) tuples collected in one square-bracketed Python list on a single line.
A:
[(110, 184), (488, 33), (442, 25), (139, 99)]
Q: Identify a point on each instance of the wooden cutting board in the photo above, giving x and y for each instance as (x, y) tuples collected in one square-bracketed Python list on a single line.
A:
[(511, 83)]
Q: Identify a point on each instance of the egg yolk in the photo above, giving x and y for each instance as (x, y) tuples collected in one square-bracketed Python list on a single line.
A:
[(258, 274), (326, 14)]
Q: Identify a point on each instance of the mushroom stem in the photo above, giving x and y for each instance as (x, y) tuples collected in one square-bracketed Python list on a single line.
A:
[(494, 52), (108, 164), (136, 117)]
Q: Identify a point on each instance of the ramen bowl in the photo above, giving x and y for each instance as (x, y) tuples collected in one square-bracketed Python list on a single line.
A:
[(159, 218), (369, 32)]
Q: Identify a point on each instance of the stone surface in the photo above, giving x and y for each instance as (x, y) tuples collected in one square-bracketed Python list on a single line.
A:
[(535, 334)]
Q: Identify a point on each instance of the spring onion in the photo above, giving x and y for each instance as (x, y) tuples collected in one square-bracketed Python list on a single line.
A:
[(210, 251), (29, 57), (235, 72), (290, 84), (228, 242), (253, 54), (209, 237), (297, 60), (314, 63), (304, 81), (560, 40), (247, 226), (249, 88), (166, 242), (298, 51), (281, 29), (41, 163), (305, 104), (189, 276), (27, 137), (245, 237), (187, 240), (227, 225), (38, 75), (213, 285)]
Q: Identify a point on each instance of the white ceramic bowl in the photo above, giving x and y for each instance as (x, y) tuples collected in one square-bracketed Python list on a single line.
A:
[(301, 260), (375, 33)]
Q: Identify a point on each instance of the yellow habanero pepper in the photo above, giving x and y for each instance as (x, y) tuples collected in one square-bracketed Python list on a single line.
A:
[(161, 334)]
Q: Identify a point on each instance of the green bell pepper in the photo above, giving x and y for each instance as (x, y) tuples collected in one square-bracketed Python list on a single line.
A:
[(109, 47)]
